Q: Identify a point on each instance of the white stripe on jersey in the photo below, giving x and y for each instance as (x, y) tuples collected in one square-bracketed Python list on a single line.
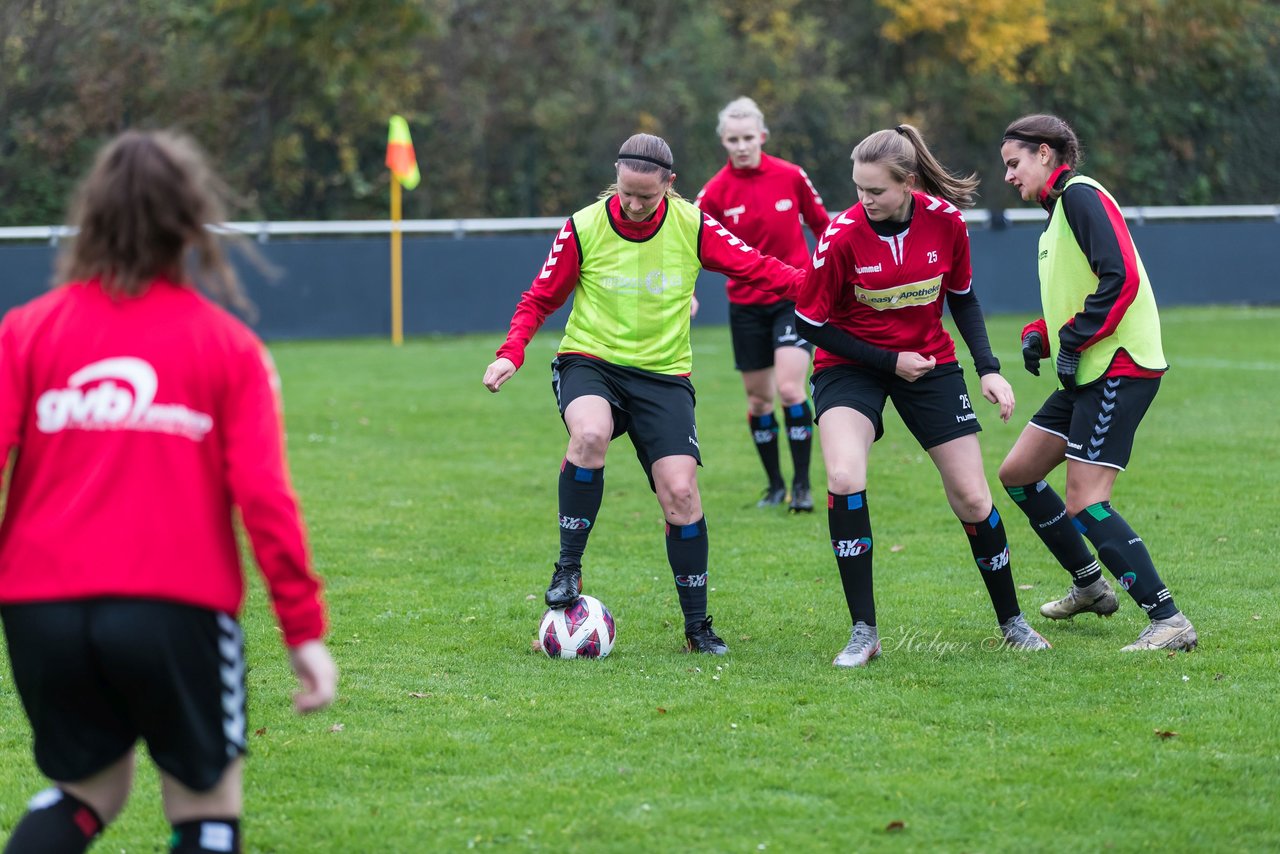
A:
[(725, 233), (935, 203), (554, 255), (895, 242), (824, 243), (812, 189)]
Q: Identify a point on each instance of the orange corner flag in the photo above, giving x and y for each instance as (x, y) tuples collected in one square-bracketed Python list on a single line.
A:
[(400, 157)]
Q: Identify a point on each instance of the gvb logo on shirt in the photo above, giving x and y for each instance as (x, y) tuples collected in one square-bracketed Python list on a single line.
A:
[(117, 394), (654, 282)]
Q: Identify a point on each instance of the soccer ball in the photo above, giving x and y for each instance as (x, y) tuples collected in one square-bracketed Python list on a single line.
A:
[(583, 630)]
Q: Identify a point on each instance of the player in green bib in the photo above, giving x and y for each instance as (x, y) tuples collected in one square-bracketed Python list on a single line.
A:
[(630, 261), (1100, 320)]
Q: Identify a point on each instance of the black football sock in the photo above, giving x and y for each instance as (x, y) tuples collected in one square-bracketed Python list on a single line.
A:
[(57, 822), (1048, 518), (849, 521), (687, 553), (990, 549), (1123, 552), (764, 432), (206, 834), (800, 433), (581, 491)]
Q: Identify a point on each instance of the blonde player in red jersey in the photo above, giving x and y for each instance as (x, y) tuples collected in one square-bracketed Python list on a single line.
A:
[(872, 302), (767, 201), (144, 417)]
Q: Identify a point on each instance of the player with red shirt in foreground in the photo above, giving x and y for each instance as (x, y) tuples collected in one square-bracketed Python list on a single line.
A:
[(872, 302), (630, 261), (766, 201), (144, 416)]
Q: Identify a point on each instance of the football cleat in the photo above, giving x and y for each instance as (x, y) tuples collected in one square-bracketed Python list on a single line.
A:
[(565, 587), (1019, 634), (1174, 632), (864, 645), (773, 496), (801, 499), (702, 638), (1097, 598)]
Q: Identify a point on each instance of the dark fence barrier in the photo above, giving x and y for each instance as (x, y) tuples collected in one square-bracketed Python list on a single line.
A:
[(339, 287)]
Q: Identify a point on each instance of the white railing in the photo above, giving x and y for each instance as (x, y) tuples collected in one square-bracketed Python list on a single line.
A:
[(460, 228)]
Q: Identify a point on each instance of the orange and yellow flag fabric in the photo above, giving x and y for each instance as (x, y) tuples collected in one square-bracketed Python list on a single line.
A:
[(401, 160)]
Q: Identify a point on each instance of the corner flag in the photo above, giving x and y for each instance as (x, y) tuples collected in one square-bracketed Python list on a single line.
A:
[(401, 160)]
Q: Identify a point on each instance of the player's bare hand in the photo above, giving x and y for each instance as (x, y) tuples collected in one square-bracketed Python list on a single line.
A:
[(498, 372), (912, 366), (693, 308), (317, 676), (996, 389)]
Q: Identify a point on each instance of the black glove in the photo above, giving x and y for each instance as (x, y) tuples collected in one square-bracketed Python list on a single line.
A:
[(1032, 347), (1067, 364)]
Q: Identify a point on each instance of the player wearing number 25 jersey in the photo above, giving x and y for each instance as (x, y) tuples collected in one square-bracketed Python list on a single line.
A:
[(872, 302), (888, 289)]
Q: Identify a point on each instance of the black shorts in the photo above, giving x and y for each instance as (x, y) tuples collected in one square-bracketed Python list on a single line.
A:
[(758, 330), (1099, 421), (95, 675), (655, 410), (935, 408)]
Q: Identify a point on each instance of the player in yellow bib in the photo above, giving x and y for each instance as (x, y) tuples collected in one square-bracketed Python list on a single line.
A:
[(630, 261), (1100, 320)]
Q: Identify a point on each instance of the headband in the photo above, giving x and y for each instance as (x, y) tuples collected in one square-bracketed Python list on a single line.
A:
[(656, 162), (1031, 139)]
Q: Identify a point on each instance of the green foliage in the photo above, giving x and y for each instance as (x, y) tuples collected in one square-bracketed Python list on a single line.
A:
[(431, 507), (517, 110)]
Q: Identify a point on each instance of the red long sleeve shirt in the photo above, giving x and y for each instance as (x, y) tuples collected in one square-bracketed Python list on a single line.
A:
[(719, 250), (140, 423), (767, 207), (889, 291)]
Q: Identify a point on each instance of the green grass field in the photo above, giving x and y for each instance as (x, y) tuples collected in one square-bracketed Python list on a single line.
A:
[(431, 508)]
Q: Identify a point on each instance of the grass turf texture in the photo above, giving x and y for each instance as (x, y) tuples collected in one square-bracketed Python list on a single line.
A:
[(431, 507)]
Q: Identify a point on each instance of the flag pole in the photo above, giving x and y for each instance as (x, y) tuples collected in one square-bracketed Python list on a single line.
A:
[(404, 171), (397, 280)]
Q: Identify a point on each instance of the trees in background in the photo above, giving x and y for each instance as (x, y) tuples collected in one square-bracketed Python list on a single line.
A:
[(517, 109)]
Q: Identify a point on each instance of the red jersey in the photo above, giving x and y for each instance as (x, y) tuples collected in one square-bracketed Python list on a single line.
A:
[(767, 207), (718, 250), (140, 424), (889, 291)]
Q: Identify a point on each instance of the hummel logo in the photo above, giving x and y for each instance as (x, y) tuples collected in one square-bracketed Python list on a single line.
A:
[(554, 255)]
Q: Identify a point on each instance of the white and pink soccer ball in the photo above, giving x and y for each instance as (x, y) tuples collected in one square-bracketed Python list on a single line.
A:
[(583, 630)]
